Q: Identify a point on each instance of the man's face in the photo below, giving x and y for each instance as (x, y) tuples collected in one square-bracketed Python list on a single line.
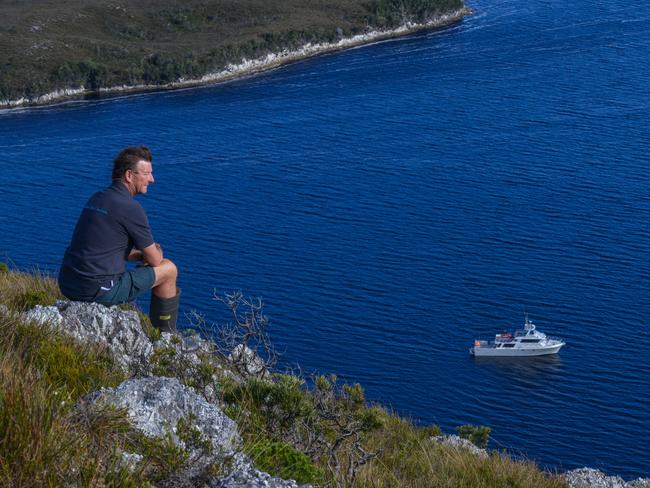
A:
[(141, 177)]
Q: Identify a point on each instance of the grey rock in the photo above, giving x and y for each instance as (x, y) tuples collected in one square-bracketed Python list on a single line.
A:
[(593, 478), (118, 329), (244, 475), (248, 360), (156, 404), (639, 483), (189, 347), (44, 315), (130, 461), (460, 443)]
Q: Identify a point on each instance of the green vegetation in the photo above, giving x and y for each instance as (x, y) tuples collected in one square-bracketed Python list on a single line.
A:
[(479, 436), (47, 46), (315, 430), (44, 441), (284, 461), (22, 291)]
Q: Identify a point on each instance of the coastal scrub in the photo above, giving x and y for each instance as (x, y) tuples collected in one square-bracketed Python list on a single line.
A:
[(315, 430)]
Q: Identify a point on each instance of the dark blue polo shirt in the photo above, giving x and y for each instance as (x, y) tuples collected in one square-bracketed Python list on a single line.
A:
[(111, 224)]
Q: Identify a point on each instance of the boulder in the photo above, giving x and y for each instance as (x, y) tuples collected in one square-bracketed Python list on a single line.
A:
[(118, 329), (155, 405)]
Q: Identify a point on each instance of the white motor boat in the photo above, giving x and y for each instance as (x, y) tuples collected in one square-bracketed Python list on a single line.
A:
[(527, 342)]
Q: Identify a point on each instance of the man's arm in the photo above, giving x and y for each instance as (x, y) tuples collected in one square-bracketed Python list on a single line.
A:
[(152, 255)]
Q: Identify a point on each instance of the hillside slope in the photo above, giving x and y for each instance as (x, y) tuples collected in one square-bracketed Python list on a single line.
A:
[(47, 45)]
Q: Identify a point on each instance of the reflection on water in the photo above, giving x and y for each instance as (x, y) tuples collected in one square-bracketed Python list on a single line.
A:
[(532, 366)]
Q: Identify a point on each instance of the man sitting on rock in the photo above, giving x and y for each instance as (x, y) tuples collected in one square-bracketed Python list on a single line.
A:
[(112, 229)]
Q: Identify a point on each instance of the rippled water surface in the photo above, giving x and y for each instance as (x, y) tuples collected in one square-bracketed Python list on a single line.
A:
[(394, 202)]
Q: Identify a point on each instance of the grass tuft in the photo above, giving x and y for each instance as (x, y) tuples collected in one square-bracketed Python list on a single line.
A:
[(44, 441), (21, 291)]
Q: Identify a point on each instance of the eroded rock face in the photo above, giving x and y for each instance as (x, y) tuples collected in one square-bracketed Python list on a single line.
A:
[(119, 329), (593, 478), (155, 406)]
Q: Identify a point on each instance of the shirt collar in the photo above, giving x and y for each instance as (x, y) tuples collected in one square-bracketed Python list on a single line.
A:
[(121, 188)]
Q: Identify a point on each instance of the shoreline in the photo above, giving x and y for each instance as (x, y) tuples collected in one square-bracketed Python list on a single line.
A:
[(247, 67)]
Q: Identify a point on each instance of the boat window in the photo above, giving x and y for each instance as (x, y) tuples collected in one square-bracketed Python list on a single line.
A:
[(508, 345), (530, 340)]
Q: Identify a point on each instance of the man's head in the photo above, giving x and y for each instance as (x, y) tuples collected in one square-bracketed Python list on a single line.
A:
[(132, 166)]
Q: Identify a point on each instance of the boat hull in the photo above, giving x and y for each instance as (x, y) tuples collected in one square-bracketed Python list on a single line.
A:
[(503, 352)]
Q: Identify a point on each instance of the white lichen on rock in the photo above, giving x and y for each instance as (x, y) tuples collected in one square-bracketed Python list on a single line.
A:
[(593, 478)]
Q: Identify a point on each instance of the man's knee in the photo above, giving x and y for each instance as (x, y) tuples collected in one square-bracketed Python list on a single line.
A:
[(172, 270), (165, 272)]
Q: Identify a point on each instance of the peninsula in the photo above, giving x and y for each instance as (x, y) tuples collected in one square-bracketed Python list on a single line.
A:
[(79, 48)]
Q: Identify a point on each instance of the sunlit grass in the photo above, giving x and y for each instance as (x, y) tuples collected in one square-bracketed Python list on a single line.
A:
[(21, 291)]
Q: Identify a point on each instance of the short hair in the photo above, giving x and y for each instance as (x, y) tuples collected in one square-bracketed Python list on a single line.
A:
[(128, 159)]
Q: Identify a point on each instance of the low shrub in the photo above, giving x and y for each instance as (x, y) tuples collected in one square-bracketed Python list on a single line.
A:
[(71, 369), (478, 435), (280, 459)]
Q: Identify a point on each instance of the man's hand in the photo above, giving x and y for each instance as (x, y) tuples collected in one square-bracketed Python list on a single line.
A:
[(135, 255)]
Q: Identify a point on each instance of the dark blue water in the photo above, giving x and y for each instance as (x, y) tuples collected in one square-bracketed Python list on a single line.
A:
[(391, 203)]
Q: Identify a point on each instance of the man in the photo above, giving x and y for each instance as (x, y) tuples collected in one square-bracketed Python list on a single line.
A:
[(112, 229)]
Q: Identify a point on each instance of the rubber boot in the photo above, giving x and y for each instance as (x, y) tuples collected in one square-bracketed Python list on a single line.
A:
[(164, 311)]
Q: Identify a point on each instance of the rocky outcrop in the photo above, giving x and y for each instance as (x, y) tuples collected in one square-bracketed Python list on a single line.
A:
[(592, 478), (156, 406), (120, 330)]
